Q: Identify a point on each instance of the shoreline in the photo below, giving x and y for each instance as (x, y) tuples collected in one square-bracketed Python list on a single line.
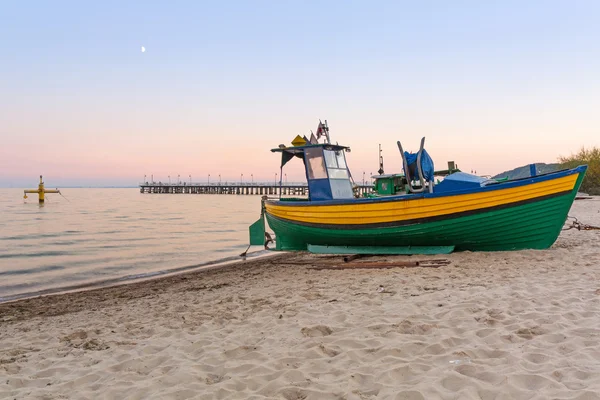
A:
[(130, 279), (69, 301)]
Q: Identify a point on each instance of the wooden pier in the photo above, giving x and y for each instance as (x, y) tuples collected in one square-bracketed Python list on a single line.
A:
[(260, 189)]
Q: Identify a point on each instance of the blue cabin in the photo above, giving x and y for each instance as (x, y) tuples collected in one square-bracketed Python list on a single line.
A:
[(326, 169)]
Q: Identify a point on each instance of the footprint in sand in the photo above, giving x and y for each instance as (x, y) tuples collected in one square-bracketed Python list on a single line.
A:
[(319, 330), (78, 340), (476, 373), (238, 351), (293, 394), (409, 395), (94, 344), (537, 358), (75, 336), (330, 351), (407, 327), (211, 379), (530, 382), (530, 333)]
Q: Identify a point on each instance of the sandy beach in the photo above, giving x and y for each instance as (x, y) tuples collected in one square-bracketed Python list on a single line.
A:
[(506, 325)]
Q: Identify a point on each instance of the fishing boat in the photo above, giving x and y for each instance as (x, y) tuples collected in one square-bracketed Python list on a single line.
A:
[(413, 212)]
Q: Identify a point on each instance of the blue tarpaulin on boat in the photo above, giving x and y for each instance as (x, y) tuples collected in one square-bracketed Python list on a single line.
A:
[(426, 165), (459, 181)]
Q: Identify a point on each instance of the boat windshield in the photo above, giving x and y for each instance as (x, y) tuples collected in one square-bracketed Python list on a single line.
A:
[(314, 164), (336, 164)]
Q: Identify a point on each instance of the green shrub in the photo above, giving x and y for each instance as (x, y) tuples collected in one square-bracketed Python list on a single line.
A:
[(591, 157)]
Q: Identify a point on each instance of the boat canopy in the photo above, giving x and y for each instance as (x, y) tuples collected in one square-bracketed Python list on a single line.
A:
[(326, 170)]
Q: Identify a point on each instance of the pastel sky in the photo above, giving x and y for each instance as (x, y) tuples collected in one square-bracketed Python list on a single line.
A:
[(491, 84)]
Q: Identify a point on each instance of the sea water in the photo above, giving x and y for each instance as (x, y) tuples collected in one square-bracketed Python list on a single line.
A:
[(103, 235)]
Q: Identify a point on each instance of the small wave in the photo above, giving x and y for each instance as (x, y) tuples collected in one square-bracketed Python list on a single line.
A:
[(229, 249), (105, 246), (45, 268), (37, 254), (63, 243), (125, 240), (39, 235), (141, 276), (226, 240)]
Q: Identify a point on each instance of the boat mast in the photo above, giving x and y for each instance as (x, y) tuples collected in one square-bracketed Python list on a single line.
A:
[(380, 161), (326, 129)]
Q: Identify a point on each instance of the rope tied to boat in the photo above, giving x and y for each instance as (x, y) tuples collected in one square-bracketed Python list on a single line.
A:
[(268, 239), (573, 223)]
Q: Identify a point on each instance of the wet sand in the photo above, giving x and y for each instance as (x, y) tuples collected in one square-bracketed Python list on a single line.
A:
[(505, 325)]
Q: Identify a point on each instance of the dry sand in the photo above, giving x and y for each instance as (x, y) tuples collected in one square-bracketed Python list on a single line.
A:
[(506, 325)]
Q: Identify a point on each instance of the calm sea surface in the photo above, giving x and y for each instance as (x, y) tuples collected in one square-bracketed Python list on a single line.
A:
[(108, 234)]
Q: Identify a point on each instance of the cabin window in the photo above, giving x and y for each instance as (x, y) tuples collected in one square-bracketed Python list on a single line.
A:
[(315, 164), (330, 159), (341, 159), (336, 165), (341, 189), (335, 173)]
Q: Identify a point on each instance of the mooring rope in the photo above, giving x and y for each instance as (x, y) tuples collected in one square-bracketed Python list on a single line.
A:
[(575, 224), (64, 197), (268, 239)]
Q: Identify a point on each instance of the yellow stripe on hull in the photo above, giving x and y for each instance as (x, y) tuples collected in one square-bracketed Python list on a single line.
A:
[(369, 212)]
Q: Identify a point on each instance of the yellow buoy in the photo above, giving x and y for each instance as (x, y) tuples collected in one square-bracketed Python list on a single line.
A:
[(40, 191)]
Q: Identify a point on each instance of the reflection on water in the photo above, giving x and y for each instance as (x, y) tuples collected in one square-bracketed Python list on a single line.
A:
[(104, 234)]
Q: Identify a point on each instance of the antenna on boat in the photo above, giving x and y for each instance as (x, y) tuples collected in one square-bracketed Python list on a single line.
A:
[(380, 162)]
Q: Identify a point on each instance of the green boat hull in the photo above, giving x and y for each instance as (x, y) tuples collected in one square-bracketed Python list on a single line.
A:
[(535, 225)]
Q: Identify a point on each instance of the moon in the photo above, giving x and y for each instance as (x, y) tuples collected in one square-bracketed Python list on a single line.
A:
[(143, 49)]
